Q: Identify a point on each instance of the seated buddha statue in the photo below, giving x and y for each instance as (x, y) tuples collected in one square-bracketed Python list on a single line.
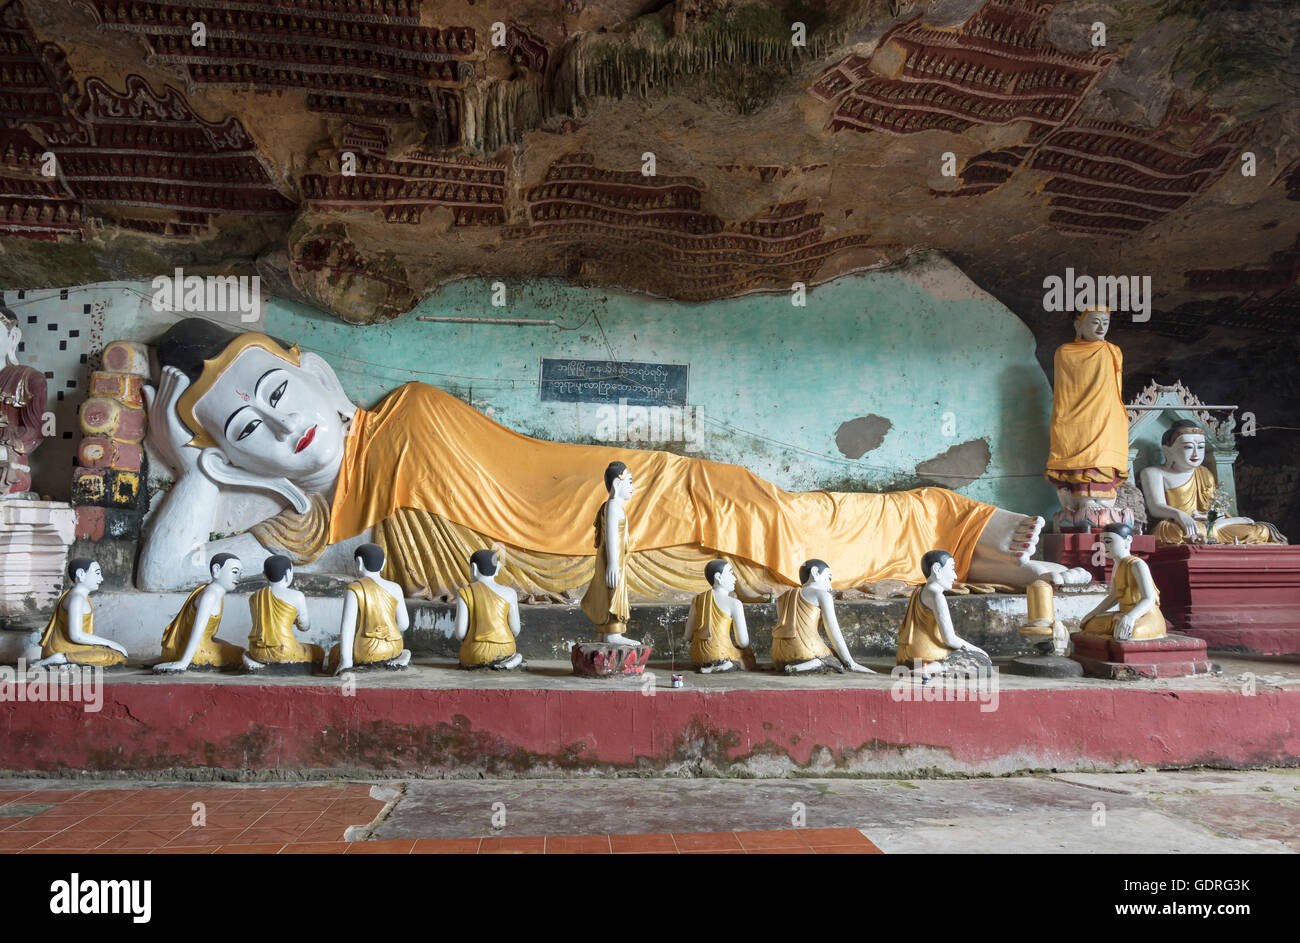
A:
[(426, 475), (1088, 457), (70, 638), (797, 646), (1131, 589), (374, 618), (190, 639), (277, 610), (605, 601), (927, 640), (1180, 495), (715, 624), (487, 618)]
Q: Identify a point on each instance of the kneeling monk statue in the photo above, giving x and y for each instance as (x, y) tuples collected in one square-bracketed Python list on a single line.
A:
[(70, 637), (190, 640), (276, 610), (374, 618), (428, 477), (487, 618), (1131, 588), (1180, 493), (715, 624), (926, 639), (797, 646)]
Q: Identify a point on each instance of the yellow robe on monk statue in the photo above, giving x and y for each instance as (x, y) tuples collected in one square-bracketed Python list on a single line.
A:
[(487, 637), (272, 641), (212, 651), (797, 635), (711, 632), (1194, 497), (608, 608), (376, 637), (1089, 432), (430, 472), (55, 640), (919, 637), (1128, 593)]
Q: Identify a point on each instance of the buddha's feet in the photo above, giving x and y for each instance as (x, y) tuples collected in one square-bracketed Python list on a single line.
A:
[(1003, 552)]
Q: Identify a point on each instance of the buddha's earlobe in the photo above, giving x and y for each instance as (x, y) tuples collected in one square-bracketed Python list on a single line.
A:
[(322, 371), (214, 464)]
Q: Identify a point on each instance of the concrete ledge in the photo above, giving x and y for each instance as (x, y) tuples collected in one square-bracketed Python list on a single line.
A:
[(431, 721)]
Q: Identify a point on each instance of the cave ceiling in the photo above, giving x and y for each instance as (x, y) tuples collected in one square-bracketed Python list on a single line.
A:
[(359, 153)]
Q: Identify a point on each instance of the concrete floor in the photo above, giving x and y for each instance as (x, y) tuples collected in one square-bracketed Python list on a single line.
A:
[(1193, 811), (1148, 812)]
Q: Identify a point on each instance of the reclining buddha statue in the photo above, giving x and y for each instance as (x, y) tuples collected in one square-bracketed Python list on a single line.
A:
[(431, 480)]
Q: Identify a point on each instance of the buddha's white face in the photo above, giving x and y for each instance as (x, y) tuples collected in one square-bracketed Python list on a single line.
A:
[(91, 577), (725, 580), (623, 486), (272, 418), (820, 579), (227, 575), (1092, 326), (945, 573), (1187, 452), (1116, 547)]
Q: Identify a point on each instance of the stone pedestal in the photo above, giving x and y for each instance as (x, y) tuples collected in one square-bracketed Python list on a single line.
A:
[(1173, 656), (1077, 549), (34, 541), (1044, 666), (602, 660), (1234, 597)]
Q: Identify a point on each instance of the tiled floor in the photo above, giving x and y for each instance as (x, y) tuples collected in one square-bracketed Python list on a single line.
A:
[(313, 820)]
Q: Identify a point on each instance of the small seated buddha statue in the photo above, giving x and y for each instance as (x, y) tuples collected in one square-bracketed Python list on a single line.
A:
[(1180, 493), (797, 646), (190, 641), (70, 638), (927, 640), (487, 618), (605, 601), (1131, 589), (374, 618), (715, 625), (276, 610)]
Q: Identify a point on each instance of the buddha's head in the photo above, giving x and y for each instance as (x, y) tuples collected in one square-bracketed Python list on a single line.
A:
[(83, 571), (278, 569), (815, 574), (369, 559), (225, 570), (265, 415), (1091, 324), (483, 564), (1116, 540), (618, 481), (720, 575), (1183, 445), (938, 566)]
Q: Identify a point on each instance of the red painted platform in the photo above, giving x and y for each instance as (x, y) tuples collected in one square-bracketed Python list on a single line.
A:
[(1173, 656), (1236, 598), (1078, 549), (863, 729)]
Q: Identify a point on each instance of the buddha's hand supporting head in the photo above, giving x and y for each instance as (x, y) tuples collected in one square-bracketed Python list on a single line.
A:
[(259, 414), (1092, 324), (1183, 445)]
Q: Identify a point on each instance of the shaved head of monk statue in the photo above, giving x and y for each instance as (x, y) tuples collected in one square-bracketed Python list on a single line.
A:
[(431, 479)]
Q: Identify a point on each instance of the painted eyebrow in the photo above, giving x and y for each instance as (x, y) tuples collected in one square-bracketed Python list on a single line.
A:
[(263, 377)]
